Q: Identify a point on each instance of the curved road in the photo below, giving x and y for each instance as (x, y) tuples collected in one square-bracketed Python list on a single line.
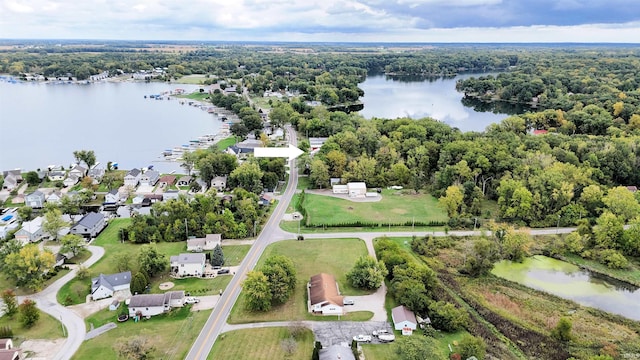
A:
[(73, 324)]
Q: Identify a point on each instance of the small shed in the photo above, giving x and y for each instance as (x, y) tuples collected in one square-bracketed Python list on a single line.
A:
[(340, 189), (114, 305), (357, 189), (403, 319)]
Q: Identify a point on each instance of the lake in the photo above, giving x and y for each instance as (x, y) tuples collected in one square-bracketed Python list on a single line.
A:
[(418, 97), (570, 282), (42, 124)]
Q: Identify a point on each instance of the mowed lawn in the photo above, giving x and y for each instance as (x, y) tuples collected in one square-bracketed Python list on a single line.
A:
[(171, 335), (395, 207), (310, 257), (234, 254), (388, 351), (259, 344), (47, 327)]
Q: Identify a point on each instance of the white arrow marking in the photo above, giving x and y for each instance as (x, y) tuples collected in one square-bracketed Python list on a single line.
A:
[(290, 152)]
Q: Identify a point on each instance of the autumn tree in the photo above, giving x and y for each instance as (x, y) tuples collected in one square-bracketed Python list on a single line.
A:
[(319, 176), (29, 313), (256, 291), (53, 223), (10, 303), (620, 201), (281, 276), (452, 200), (26, 266)]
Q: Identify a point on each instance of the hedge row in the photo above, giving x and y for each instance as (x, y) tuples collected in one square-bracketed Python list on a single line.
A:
[(372, 224)]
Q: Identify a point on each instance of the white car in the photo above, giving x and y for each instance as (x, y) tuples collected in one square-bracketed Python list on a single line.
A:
[(379, 332), (362, 338), (348, 302), (191, 300)]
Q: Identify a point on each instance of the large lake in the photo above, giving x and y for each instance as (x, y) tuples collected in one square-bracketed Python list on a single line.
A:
[(42, 124), (418, 97)]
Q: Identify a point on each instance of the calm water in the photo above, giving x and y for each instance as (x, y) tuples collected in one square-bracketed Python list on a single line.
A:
[(42, 124), (570, 282), (419, 97)]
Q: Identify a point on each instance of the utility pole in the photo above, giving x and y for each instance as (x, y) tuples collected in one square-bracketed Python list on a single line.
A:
[(186, 228), (255, 223), (558, 225)]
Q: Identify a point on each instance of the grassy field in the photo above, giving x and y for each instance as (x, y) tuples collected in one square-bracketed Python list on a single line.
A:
[(171, 335), (233, 254), (195, 79), (395, 207), (47, 327), (333, 256), (226, 142), (257, 344), (388, 351)]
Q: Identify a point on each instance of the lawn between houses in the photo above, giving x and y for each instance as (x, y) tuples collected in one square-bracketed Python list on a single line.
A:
[(395, 207), (47, 327), (310, 257), (258, 344)]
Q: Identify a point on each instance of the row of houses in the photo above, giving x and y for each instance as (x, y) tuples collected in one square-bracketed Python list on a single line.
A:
[(87, 226), (13, 178)]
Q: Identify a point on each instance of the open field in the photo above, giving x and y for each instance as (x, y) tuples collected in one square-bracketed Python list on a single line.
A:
[(170, 334), (193, 286), (233, 254), (388, 351), (196, 79), (47, 327), (257, 344), (226, 142), (310, 257), (395, 207)]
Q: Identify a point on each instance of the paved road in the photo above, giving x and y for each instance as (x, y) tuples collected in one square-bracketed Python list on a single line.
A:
[(73, 324), (270, 233)]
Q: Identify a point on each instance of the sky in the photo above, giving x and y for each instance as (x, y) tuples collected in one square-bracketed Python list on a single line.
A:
[(616, 21)]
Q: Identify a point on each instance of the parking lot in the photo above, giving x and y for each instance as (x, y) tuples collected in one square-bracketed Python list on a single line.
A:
[(336, 332)]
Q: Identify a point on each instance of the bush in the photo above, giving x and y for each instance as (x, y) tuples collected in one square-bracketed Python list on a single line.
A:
[(472, 346), (6, 332), (29, 313), (444, 316), (562, 331), (613, 259)]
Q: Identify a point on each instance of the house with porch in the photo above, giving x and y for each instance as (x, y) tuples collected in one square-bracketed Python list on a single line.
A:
[(57, 175), (184, 181), (324, 295), (31, 231), (187, 264), (149, 177), (104, 286), (71, 180), (219, 183), (147, 305), (132, 178), (35, 200), (90, 225), (206, 243)]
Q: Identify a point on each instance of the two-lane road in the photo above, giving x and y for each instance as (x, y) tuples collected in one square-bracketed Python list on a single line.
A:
[(271, 232)]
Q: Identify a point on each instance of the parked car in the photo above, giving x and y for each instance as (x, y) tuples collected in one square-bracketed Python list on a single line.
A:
[(379, 332), (362, 338), (191, 300), (348, 302), (223, 271), (386, 337)]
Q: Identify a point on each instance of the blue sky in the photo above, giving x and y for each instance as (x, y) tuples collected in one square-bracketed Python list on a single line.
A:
[(325, 20)]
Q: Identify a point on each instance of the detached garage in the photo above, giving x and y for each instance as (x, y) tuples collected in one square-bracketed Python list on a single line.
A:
[(403, 319)]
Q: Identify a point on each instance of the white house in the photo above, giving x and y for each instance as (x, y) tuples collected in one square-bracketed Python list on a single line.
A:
[(112, 196), (150, 177), (357, 189), (31, 231), (96, 174), (207, 243), (155, 304), (184, 181), (56, 175), (219, 183), (36, 199), (78, 171), (340, 189), (105, 286), (90, 225), (11, 179), (54, 197), (188, 264), (170, 194), (324, 296), (71, 180), (132, 178), (404, 319)]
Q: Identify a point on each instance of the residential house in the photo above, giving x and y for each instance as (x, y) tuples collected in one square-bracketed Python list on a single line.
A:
[(357, 189), (149, 177), (6, 228), (105, 286), (12, 179), (337, 352), (167, 180), (404, 319), (60, 259), (31, 231), (113, 196), (78, 170), (147, 305), (71, 180), (184, 181), (207, 243), (56, 175), (188, 264), (36, 199), (219, 183), (90, 225), (633, 189), (8, 352), (96, 174), (240, 153), (132, 178), (170, 194), (324, 296), (265, 199), (202, 183), (54, 197)]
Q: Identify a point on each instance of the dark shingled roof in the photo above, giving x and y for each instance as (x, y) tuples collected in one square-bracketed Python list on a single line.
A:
[(90, 220), (323, 288)]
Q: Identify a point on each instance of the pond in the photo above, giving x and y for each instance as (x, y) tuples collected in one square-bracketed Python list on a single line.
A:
[(435, 97), (570, 282)]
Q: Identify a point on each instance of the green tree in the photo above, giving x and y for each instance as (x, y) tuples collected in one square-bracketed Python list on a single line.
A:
[(72, 243), (25, 213), (256, 291), (281, 276), (608, 230), (319, 175), (514, 245), (29, 313), (150, 260), (472, 346), (480, 260), (121, 261), (139, 283), (446, 317), (189, 160), (10, 306), (367, 273), (562, 331), (26, 266), (621, 202), (217, 256), (452, 200), (53, 223), (86, 156), (32, 178), (247, 176), (137, 348), (415, 347)]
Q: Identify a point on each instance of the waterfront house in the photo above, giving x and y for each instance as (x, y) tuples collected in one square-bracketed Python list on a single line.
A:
[(240, 153), (90, 225), (149, 177), (202, 183), (71, 180), (324, 296), (170, 194), (105, 286), (209, 242), (132, 178), (187, 264), (147, 305), (167, 180), (96, 174), (78, 170), (404, 319), (35, 200), (31, 231), (219, 183), (56, 175), (54, 197), (12, 179), (184, 181), (113, 196)]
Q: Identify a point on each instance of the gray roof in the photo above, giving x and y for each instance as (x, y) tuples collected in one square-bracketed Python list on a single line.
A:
[(36, 193), (113, 192), (152, 173), (401, 313), (90, 220), (187, 258), (133, 172), (109, 281), (146, 300)]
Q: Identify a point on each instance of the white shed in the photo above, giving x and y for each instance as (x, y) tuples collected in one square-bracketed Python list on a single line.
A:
[(403, 319), (357, 189)]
